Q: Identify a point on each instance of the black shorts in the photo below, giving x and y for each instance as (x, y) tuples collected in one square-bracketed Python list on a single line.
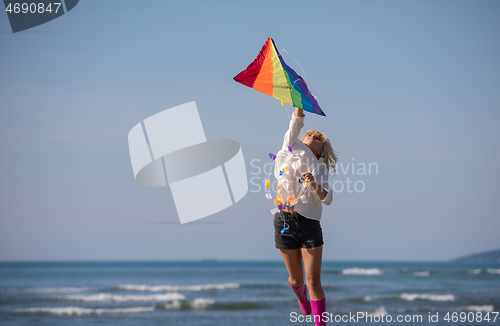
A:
[(304, 232)]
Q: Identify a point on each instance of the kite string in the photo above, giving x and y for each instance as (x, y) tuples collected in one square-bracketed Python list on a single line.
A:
[(297, 63), (293, 85), (302, 72)]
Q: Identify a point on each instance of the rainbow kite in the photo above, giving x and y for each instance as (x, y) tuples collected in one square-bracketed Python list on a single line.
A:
[(269, 74)]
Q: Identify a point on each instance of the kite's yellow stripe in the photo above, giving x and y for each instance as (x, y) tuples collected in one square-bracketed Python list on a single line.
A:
[(281, 89)]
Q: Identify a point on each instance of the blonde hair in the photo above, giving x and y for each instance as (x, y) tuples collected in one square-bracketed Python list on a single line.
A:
[(327, 153)]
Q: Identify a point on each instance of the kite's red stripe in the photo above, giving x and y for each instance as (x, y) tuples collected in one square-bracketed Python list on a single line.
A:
[(248, 76)]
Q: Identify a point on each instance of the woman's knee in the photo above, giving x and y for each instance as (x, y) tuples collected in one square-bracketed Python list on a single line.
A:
[(295, 282), (313, 281)]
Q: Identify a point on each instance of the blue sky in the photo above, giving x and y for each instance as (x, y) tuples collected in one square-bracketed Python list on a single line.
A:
[(409, 85)]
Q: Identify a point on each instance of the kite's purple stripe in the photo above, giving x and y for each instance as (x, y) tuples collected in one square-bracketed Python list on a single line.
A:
[(299, 85), (309, 103), (294, 81), (292, 75)]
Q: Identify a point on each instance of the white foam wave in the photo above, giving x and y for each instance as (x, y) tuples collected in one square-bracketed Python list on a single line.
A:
[(201, 303), (174, 305), (424, 296), (423, 273), (68, 289), (362, 271), (106, 297), (485, 308), (161, 288), (196, 304), (378, 312), (399, 310), (78, 311), (475, 271), (368, 298), (493, 271)]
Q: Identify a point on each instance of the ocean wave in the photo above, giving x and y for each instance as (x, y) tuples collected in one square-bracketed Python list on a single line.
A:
[(366, 298), (475, 271), (424, 296), (78, 311), (265, 286), (422, 273), (201, 303), (210, 304), (241, 305), (67, 289), (493, 271), (106, 297), (161, 288), (378, 312), (196, 304), (362, 271), (331, 271), (485, 308)]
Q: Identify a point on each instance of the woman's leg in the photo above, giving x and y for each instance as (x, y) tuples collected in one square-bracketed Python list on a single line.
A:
[(293, 263), (312, 264)]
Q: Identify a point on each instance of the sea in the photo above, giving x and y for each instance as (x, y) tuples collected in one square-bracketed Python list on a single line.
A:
[(243, 293)]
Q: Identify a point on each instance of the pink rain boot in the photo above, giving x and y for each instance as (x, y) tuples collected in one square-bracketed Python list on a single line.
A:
[(318, 308), (301, 293)]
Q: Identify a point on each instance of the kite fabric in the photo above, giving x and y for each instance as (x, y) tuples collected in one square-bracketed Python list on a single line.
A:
[(269, 74)]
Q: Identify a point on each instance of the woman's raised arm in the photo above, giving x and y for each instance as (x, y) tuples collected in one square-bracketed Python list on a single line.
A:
[(296, 124)]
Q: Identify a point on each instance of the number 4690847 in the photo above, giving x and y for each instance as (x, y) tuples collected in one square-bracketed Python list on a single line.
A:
[(470, 317), (32, 8)]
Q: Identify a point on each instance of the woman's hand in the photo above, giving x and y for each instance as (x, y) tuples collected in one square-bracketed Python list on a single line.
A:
[(299, 112), (308, 177)]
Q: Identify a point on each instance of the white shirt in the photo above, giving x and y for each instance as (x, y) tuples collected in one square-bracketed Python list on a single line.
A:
[(301, 160)]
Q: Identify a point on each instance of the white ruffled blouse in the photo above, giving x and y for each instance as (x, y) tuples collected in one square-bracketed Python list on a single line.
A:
[(294, 163)]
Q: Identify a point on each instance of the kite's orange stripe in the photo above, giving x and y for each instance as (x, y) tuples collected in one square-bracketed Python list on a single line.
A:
[(264, 81)]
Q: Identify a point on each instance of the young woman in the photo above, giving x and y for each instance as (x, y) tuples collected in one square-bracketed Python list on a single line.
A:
[(298, 233)]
